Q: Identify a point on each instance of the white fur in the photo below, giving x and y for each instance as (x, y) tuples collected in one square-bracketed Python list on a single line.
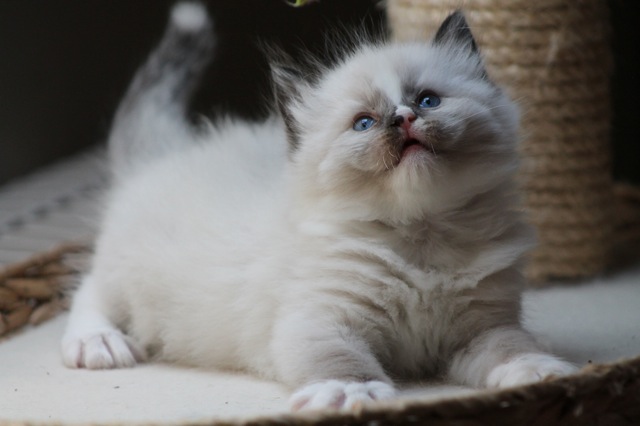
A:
[(337, 394), (189, 16), (329, 271), (528, 368)]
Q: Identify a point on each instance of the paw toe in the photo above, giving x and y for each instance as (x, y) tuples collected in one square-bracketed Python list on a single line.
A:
[(100, 350), (528, 368), (339, 395)]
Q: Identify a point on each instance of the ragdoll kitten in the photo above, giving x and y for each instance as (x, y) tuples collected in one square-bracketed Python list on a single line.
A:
[(368, 232)]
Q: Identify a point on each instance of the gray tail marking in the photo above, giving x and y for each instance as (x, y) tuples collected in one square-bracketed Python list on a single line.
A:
[(151, 119)]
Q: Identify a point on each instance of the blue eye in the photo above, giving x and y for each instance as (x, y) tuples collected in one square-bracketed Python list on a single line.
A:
[(428, 100), (363, 123)]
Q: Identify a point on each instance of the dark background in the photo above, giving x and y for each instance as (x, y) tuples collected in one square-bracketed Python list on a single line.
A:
[(64, 64)]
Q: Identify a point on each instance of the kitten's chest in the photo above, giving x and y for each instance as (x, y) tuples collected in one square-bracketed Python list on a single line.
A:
[(424, 331), (403, 309), (422, 307)]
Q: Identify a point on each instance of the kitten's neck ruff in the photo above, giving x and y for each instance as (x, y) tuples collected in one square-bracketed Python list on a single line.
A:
[(487, 228)]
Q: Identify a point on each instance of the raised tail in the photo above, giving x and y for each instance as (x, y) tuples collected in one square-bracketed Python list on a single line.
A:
[(151, 120)]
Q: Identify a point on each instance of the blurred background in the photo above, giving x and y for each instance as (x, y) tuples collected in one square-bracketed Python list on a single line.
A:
[(64, 64)]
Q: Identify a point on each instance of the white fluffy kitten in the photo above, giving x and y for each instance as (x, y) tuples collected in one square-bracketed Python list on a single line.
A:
[(380, 242)]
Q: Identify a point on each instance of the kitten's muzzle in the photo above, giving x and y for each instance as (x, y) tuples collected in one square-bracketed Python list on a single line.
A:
[(410, 135), (410, 139), (404, 120)]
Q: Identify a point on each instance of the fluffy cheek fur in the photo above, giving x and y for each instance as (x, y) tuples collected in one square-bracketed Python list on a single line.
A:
[(470, 148), (350, 177)]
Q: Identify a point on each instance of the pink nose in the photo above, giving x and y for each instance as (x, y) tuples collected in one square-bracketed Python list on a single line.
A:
[(404, 120)]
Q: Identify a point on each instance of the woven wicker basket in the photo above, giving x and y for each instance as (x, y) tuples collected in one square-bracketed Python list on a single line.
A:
[(553, 56), (601, 395), (37, 289)]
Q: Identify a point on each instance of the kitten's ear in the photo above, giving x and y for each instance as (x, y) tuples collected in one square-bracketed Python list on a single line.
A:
[(288, 84), (455, 34), (455, 31)]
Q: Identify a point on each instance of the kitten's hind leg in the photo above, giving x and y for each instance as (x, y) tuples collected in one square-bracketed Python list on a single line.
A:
[(505, 357), (91, 340)]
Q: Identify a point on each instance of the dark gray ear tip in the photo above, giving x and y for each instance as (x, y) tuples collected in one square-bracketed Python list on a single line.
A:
[(455, 29), (455, 21), (456, 16)]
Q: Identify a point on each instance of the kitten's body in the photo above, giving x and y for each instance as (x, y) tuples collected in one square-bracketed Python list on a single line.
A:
[(341, 265)]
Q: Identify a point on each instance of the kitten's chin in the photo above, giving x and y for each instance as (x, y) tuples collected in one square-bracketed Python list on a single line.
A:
[(415, 151), (416, 154), (413, 148)]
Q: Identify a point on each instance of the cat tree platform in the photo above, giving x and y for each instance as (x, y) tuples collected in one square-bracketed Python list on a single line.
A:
[(593, 323)]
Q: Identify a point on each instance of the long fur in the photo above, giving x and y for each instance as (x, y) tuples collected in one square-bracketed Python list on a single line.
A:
[(301, 250)]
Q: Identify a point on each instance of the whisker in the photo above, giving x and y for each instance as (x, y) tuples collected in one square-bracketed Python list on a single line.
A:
[(385, 163), (435, 153), (394, 156)]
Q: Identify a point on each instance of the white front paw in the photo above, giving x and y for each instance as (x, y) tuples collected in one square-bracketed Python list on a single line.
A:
[(100, 350), (528, 368), (339, 395)]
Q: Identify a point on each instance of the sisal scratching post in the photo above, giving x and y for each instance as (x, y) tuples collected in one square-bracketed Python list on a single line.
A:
[(553, 57)]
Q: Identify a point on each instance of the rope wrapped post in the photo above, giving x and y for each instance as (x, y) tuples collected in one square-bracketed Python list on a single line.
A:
[(554, 59)]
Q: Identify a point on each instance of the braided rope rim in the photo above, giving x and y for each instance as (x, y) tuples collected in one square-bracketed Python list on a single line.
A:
[(601, 394)]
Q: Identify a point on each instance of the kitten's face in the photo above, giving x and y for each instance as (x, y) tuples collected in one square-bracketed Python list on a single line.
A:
[(401, 131)]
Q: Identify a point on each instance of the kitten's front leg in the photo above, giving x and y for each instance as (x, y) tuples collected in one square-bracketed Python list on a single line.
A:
[(329, 361), (505, 357), (91, 340)]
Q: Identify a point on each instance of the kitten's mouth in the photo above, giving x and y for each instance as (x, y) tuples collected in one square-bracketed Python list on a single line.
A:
[(414, 145), (410, 142)]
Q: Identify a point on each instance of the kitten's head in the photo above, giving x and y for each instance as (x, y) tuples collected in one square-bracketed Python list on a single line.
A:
[(395, 132)]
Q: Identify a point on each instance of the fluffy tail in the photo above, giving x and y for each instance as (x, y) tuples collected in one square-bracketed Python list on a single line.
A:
[(151, 119)]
